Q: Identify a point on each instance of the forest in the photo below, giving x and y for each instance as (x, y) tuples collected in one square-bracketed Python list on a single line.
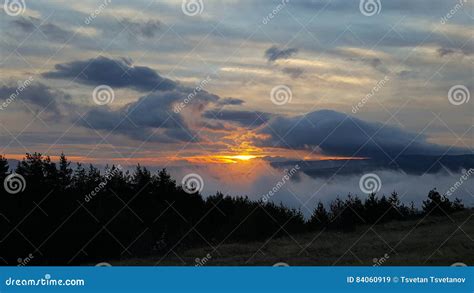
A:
[(64, 214)]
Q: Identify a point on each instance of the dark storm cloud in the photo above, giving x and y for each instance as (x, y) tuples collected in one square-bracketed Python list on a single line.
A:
[(29, 24), (36, 95), (154, 117), (335, 133), (243, 118), (411, 164), (274, 53), (118, 73), (151, 117), (146, 29)]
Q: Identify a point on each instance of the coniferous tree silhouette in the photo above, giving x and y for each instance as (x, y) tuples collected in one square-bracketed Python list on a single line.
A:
[(320, 218), (68, 216)]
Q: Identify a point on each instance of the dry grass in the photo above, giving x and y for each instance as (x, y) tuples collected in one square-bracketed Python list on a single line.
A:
[(428, 241)]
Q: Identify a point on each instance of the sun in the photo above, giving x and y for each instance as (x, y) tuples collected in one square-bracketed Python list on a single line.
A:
[(223, 158), (236, 158), (241, 157)]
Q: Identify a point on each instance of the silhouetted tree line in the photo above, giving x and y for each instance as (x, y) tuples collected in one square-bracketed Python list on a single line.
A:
[(82, 215), (346, 214)]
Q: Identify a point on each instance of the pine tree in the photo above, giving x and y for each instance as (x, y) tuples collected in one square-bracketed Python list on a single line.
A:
[(371, 207), (396, 210), (394, 199), (319, 218), (64, 172), (3, 175), (79, 178), (3, 168)]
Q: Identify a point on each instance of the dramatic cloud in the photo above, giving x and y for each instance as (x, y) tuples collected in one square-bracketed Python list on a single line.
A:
[(335, 133), (154, 117), (151, 118), (410, 164), (117, 73), (250, 119), (36, 95), (274, 53), (330, 64), (146, 29)]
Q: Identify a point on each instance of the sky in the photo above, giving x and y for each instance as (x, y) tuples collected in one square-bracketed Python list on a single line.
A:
[(230, 85)]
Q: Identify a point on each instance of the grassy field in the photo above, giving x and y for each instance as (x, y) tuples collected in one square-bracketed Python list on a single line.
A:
[(427, 241)]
